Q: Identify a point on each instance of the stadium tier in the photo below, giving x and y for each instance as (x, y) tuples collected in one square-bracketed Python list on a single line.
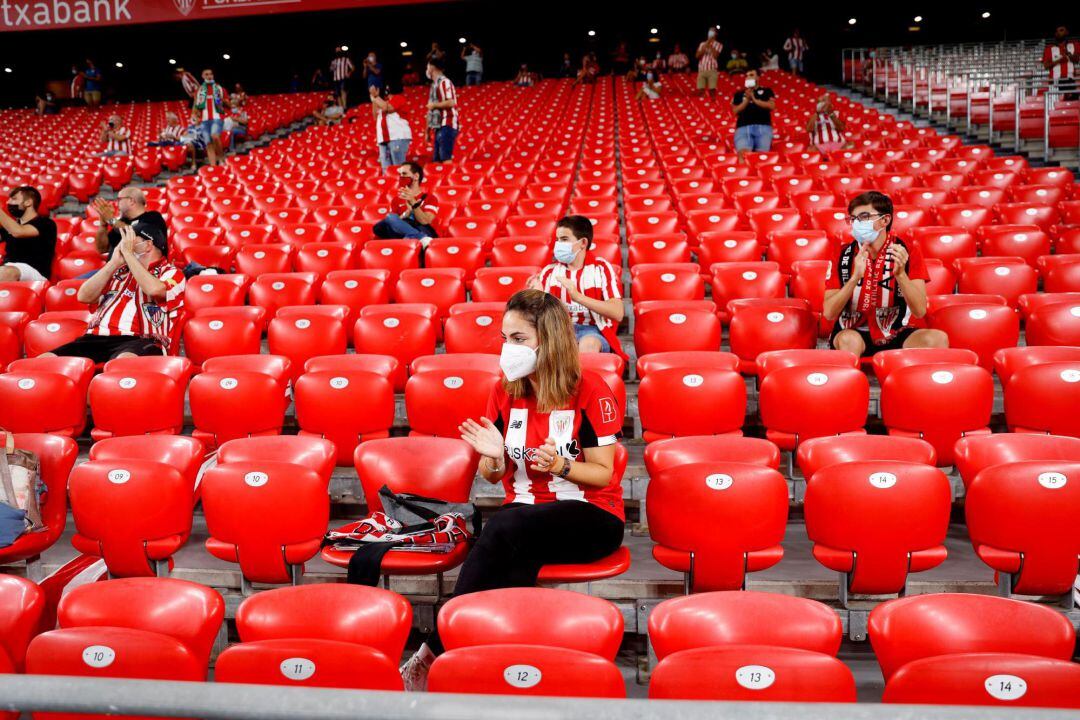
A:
[(785, 499)]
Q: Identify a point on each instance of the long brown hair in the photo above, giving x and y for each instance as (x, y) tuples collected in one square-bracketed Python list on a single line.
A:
[(558, 367)]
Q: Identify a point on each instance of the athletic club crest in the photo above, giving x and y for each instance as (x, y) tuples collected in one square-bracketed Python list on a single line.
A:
[(184, 6), (562, 424)]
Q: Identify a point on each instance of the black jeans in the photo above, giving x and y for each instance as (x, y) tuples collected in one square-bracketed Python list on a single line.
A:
[(520, 539)]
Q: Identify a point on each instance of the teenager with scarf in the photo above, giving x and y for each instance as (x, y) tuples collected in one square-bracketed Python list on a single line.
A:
[(877, 287), (550, 436)]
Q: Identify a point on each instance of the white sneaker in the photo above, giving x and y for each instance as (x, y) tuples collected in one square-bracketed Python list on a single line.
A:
[(424, 242), (415, 670)]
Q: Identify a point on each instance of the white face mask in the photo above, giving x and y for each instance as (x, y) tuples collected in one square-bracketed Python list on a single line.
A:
[(712, 34), (751, 82), (517, 361)]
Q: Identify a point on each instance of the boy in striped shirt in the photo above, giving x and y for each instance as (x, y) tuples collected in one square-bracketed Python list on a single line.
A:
[(209, 109), (115, 137), (442, 111), (341, 69), (708, 65)]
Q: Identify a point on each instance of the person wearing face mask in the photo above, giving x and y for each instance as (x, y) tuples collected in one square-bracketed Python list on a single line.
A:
[(549, 435), (412, 211), (115, 137), (136, 299), (373, 72), (708, 53), (877, 286), (443, 113), (588, 286), (826, 128), (796, 47), (753, 106), (29, 239), (341, 69), (209, 108), (677, 61), (650, 86), (737, 62)]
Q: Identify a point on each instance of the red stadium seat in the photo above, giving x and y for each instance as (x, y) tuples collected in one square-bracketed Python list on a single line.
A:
[(667, 281), (1057, 324), (658, 248), (45, 395), (964, 216), (276, 290), (470, 330), (908, 629), (945, 243), (223, 331), (815, 400), (1008, 277), (731, 281), (820, 452), (308, 662), (236, 396), (981, 328), (292, 508), (214, 291), (177, 451), (455, 253), (777, 359), (400, 331), (761, 328), (1062, 277), (723, 247), (521, 251), (406, 465), (888, 360), (345, 406), (438, 401), (679, 401), (535, 670), (1025, 241), (900, 525), (1017, 213), (752, 673), (255, 260), (1008, 360), (991, 679), (323, 258), (20, 615), (355, 289), (392, 255), (525, 226), (142, 395), (789, 246), (1041, 398), (766, 222), (500, 283), (749, 501), (441, 288), (302, 332), (664, 454), (673, 327), (45, 334), (691, 359)]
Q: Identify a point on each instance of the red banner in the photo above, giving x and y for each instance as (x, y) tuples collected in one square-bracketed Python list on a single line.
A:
[(57, 14)]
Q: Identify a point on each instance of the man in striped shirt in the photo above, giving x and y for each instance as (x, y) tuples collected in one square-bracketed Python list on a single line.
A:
[(115, 137), (1060, 58), (137, 298), (795, 47), (341, 69), (708, 65), (443, 115), (208, 109)]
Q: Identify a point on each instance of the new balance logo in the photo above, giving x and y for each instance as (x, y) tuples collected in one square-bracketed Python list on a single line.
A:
[(516, 425)]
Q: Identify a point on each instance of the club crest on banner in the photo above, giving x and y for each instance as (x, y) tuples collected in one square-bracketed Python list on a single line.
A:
[(185, 6)]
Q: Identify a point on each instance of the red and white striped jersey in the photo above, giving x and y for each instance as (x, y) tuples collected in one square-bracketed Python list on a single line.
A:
[(678, 61), (341, 68), (596, 279), (189, 83), (119, 140), (825, 131), (171, 133), (712, 49), (795, 47), (445, 90), (590, 419), (124, 309), (210, 101), (1058, 54), (392, 125)]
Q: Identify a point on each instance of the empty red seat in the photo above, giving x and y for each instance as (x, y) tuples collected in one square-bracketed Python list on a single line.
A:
[(323, 258), (391, 255), (398, 331), (992, 679), (56, 456), (667, 281), (46, 334), (139, 395), (789, 246), (302, 332), (887, 361), (268, 516), (428, 466), (439, 287), (355, 289), (1056, 324), (529, 670), (45, 395), (814, 400), (1008, 277), (237, 396), (276, 290), (438, 401), (215, 332), (1062, 277), (178, 451), (734, 246), (967, 217), (749, 501), (214, 291), (760, 328), (732, 281), (691, 400), (651, 222), (1028, 213), (691, 359), (672, 327), (659, 248), (982, 328), (521, 251), (456, 253), (344, 404), (945, 243), (255, 260), (820, 452), (499, 283), (473, 330), (20, 615), (908, 629), (777, 359), (664, 454), (899, 527), (1041, 398), (1025, 241)]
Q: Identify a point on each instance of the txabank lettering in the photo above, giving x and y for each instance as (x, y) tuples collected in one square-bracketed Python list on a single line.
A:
[(43, 13)]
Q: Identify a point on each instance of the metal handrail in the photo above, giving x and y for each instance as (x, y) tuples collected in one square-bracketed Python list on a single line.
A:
[(222, 701)]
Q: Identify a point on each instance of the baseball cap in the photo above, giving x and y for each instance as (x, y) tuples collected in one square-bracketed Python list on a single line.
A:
[(154, 234)]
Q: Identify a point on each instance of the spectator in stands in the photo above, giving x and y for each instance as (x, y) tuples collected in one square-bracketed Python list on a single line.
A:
[(209, 110), (436, 53), (318, 80), (115, 137), (78, 80), (737, 62), (137, 298), (330, 113), (556, 465), (658, 65), (443, 114), (237, 122), (826, 128), (341, 69), (753, 107), (91, 85), (29, 238), (524, 78), (677, 61), (590, 70), (796, 48), (409, 76), (636, 73), (171, 133), (412, 211), (650, 86), (1060, 58), (566, 67), (891, 278), (620, 59), (46, 103), (770, 60), (474, 63), (131, 207), (392, 132), (708, 65), (188, 82), (587, 284)]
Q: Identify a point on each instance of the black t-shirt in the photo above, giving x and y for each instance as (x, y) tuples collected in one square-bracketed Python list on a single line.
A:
[(150, 217), (752, 114), (37, 252)]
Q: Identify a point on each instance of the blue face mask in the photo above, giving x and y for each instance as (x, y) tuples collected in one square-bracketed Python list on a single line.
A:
[(564, 252), (864, 232)]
